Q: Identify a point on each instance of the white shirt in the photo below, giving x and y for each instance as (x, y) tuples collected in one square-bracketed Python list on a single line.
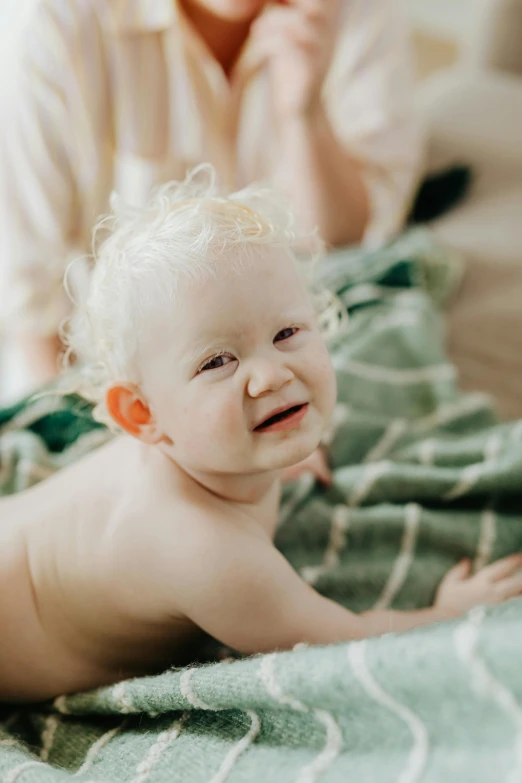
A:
[(123, 95)]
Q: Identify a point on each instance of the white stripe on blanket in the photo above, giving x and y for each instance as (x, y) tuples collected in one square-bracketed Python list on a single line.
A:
[(484, 683), (336, 543), (334, 740), (48, 735), (416, 763), (237, 750), (400, 377), (487, 535), (391, 435), (98, 746), (164, 740), (412, 517)]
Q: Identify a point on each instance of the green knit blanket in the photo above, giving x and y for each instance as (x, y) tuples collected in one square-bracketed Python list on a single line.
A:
[(423, 476)]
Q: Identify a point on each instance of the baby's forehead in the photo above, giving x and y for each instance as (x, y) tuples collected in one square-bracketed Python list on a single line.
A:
[(240, 272), (230, 298)]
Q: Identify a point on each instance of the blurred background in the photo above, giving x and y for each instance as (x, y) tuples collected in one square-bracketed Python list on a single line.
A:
[(440, 28)]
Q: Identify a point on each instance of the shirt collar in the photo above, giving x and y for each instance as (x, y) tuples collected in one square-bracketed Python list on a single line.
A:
[(134, 16), (142, 16)]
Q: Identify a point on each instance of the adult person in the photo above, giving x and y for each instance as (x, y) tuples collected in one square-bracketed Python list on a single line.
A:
[(103, 95)]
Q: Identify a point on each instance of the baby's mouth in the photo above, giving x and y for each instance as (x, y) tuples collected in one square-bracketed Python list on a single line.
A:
[(279, 417)]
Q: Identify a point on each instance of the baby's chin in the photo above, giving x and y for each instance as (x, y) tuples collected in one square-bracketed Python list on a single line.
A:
[(293, 453)]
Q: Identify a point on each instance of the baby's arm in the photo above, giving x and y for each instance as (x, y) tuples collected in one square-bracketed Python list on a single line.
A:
[(248, 596), (251, 599)]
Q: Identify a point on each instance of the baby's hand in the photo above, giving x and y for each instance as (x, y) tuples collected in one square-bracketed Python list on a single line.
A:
[(316, 464), (458, 592)]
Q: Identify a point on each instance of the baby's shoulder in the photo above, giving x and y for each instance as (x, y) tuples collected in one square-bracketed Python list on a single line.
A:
[(193, 522), (176, 517), (171, 519)]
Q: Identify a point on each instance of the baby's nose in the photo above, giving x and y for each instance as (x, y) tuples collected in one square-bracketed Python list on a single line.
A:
[(268, 376)]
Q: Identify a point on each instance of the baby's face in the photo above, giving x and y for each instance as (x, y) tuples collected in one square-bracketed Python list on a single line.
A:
[(237, 374)]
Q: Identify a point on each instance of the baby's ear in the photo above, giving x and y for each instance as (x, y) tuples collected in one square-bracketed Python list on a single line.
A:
[(130, 412)]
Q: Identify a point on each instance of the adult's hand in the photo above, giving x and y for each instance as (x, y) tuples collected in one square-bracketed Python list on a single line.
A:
[(296, 39)]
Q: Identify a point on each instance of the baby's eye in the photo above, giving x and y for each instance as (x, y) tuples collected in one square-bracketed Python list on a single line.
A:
[(284, 334), (216, 362)]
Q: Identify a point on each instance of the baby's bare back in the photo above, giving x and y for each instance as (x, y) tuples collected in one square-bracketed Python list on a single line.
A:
[(82, 601)]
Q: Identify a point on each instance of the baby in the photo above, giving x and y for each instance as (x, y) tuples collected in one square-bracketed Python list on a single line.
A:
[(198, 340)]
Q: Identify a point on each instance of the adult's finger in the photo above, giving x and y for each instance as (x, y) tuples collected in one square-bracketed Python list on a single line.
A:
[(270, 41), (275, 17)]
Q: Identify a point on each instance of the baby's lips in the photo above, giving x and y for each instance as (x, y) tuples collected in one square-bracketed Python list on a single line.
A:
[(276, 412)]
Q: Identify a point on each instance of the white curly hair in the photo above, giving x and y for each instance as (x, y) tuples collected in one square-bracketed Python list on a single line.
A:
[(186, 231)]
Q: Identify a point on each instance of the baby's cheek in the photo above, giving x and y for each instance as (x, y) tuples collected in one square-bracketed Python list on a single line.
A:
[(223, 418), (228, 427), (230, 414), (214, 423)]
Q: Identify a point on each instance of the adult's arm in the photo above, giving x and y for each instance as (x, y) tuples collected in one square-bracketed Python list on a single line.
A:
[(351, 163), (38, 195)]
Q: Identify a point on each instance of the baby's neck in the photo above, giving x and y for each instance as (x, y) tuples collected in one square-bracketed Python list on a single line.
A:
[(255, 499), (237, 489), (254, 492), (251, 490)]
